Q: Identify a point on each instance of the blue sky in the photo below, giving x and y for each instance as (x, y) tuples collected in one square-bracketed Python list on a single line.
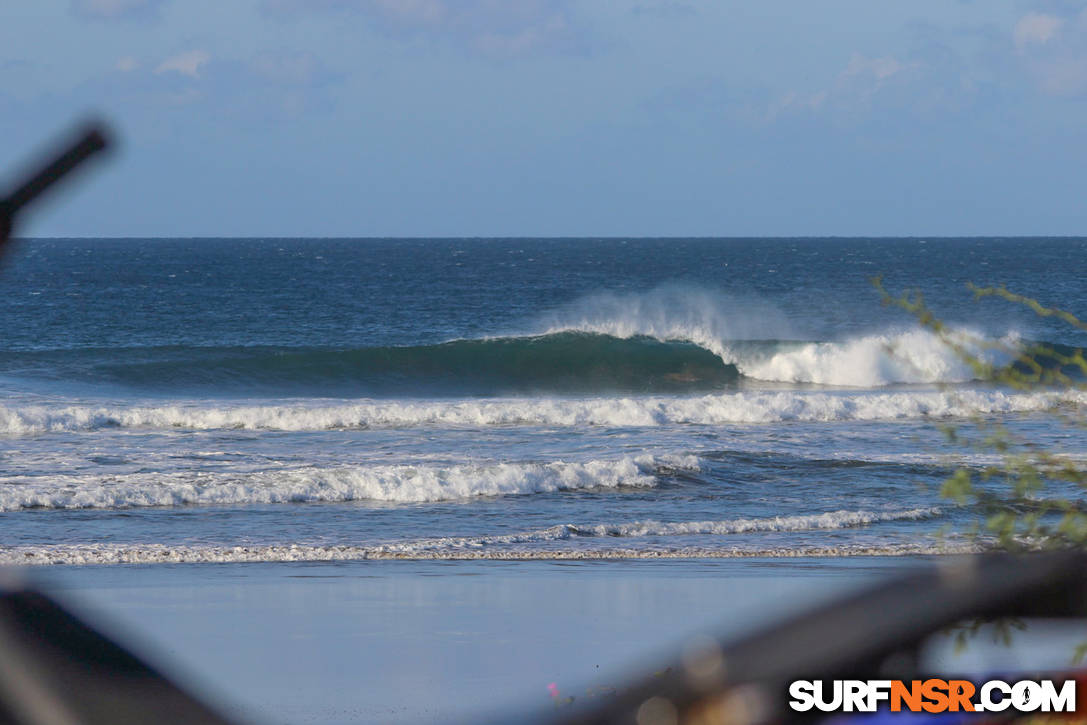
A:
[(538, 118)]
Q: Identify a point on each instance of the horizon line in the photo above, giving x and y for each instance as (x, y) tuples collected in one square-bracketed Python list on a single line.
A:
[(599, 237)]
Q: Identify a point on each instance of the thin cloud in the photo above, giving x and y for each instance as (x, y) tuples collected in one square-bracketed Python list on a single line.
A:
[(253, 90), (853, 92), (116, 9), (1053, 50), (1035, 29), (290, 68), (664, 10), (878, 68), (501, 28), (187, 63)]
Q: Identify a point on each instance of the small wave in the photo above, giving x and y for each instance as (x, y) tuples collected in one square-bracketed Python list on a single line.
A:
[(828, 520), (530, 545), (106, 554), (401, 484), (742, 407), (641, 529)]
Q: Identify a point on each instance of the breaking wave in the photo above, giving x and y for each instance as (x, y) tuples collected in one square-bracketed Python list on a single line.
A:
[(716, 409), (572, 361), (736, 331), (668, 340), (402, 484), (601, 358)]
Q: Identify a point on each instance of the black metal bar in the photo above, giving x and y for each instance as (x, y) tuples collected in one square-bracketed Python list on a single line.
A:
[(92, 139)]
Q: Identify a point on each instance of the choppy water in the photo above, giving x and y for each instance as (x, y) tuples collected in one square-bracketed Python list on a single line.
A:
[(226, 400)]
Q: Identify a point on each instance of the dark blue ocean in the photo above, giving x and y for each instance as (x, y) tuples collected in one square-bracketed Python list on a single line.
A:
[(312, 399)]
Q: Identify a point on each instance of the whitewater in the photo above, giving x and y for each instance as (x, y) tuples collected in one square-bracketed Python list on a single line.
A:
[(760, 407), (202, 401)]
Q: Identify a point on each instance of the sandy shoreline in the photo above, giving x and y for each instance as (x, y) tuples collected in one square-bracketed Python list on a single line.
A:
[(430, 641)]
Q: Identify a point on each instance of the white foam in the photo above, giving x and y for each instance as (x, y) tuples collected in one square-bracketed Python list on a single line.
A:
[(915, 356), (828, 520), (642, 529), (159, 554), (506, 546), (375, 483), (744, 407)]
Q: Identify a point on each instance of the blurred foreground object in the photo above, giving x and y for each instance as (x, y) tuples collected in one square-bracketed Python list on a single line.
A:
[(91, 138), (57, 670), (876, 634)]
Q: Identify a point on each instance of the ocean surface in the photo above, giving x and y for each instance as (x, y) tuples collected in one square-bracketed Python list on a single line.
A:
[(233, 400)]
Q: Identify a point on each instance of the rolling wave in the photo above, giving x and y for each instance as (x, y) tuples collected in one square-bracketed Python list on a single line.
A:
[(396, 483), (561, 361), (716, 409), (671, 339)]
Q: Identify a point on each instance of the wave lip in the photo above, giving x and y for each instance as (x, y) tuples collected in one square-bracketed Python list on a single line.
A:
[(399, 484)]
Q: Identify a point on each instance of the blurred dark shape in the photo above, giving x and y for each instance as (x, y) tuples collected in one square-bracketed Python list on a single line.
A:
[(876, 634), (58, 670), (91, 138)]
